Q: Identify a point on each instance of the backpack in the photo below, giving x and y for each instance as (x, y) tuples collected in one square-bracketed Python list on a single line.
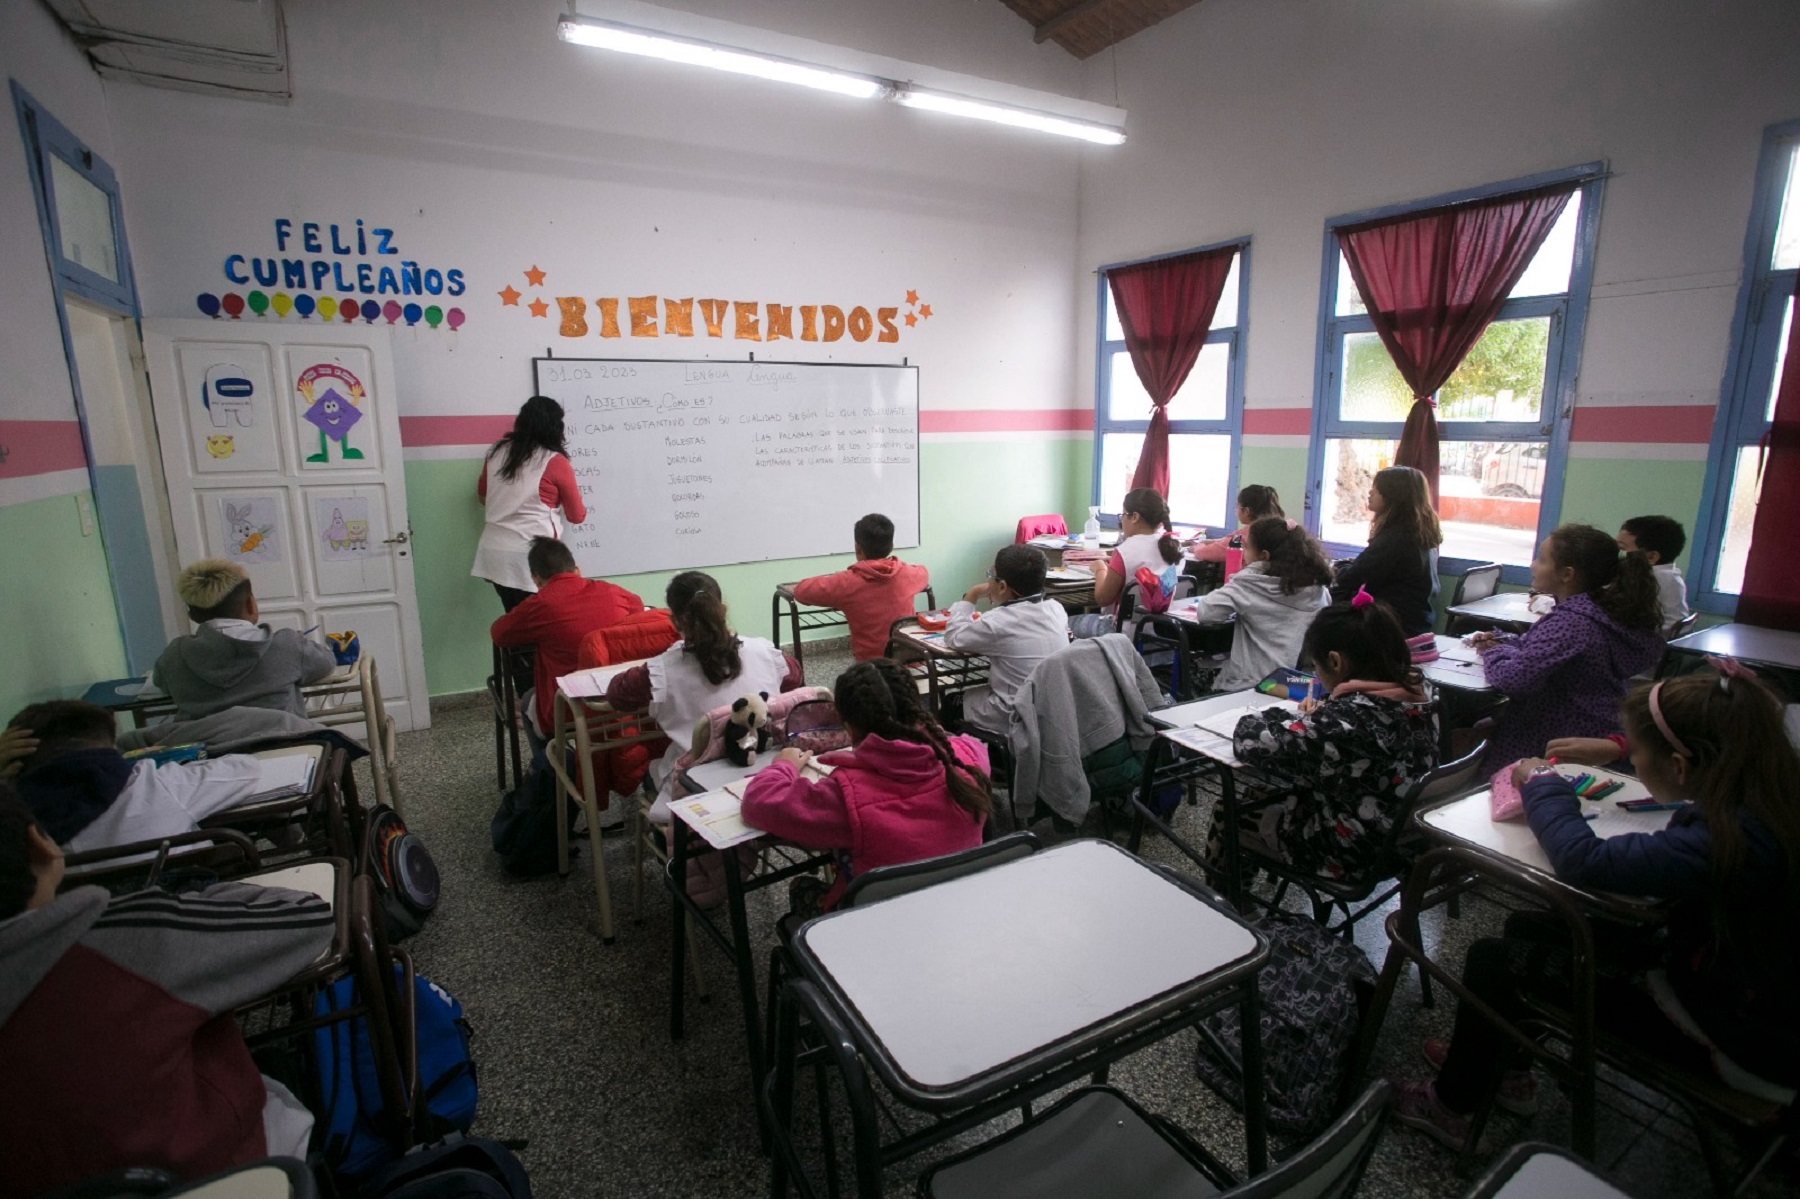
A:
[(1312, 990), (457, 1167), (406, 879), (350, 1094), (523, 830)]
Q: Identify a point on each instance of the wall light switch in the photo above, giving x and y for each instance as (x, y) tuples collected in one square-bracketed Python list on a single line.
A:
[(84, 507)]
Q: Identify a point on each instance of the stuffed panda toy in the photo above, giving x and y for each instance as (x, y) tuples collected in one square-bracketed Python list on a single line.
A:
[(747, 730)]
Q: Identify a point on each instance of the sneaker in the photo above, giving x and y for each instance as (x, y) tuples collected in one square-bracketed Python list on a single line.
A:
[(1518, 1088), (1416, 1106)]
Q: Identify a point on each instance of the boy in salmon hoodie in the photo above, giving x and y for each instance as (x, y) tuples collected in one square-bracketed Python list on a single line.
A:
[(875, 592)]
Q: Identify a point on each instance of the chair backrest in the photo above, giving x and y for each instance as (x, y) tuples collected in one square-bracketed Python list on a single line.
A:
[(1477, 583), (1330, 1166), (1684, 626), (1452, 778), (712, 725), (640, 635), (1040, 526), (885, 882)]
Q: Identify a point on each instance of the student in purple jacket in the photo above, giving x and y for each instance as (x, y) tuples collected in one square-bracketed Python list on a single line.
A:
[(1718, 995), (1566, 675)]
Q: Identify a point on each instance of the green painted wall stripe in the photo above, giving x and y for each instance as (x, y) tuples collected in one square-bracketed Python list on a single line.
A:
[(61, 631)]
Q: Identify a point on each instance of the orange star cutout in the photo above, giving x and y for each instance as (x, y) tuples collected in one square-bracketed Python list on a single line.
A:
[(911, 320), (912, 297), (534, 276), (510, 296), (539, 308), (925, 311)]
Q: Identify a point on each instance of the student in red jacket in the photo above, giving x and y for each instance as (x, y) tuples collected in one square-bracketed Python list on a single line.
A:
[(902, 792), (116, 1020), (877, 590), (553, 621)]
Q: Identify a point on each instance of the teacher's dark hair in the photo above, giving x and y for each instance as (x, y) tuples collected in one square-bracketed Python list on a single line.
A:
[(698, 609), (539, 426)]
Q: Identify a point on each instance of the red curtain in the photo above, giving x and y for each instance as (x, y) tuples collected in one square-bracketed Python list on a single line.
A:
[(1166, 309), (1771, 595), (1433, 281)]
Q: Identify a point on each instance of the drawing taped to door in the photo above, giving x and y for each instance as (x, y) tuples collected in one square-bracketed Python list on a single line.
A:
[(249, 524), (333, 397), (343, 524)]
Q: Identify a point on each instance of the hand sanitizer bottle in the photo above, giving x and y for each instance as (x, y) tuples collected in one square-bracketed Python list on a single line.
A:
[(1090, 532)]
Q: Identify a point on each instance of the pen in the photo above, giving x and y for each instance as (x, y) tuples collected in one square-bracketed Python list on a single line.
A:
[(1590, 815), (1640, 805)]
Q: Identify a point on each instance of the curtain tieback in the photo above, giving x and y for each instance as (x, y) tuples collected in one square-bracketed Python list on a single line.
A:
[(1431, 400)]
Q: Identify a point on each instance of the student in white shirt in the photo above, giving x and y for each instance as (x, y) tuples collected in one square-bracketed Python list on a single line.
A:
[(1660, 539), (88, 796), (1147, 541), (1021, 628)]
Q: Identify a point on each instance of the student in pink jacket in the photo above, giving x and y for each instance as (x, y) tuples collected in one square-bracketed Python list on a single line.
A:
[(877, 590), (904, 791)]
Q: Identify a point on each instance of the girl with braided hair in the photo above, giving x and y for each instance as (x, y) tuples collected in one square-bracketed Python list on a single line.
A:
[(904, 790)]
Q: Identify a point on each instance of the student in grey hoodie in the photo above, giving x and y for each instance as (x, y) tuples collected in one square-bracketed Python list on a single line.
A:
[(1284, 583), (233, 661)]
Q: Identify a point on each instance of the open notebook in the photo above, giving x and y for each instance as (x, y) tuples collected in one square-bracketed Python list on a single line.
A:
[(285, 773)]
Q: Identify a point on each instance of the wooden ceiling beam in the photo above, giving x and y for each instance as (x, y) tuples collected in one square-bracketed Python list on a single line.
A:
[(1065, 18)]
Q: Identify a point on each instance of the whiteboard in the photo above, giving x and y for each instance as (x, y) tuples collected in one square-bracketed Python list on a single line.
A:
[(693, 464)]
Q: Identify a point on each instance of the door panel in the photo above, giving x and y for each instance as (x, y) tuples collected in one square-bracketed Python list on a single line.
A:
[(281, 447)]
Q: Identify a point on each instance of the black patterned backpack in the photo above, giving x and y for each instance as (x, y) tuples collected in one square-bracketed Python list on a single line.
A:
[(1313, 990)]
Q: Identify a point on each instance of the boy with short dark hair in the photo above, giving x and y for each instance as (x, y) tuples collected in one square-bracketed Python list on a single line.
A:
[(873, 593), (232, 661), (1021, 628), (564, 609), (87, 795), (1660, 539), (116, 1021)]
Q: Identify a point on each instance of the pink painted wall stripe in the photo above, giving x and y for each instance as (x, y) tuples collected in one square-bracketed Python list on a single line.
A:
[(1663, 424), (1278, 422), (453, 430), (485, 430), (39, 447)]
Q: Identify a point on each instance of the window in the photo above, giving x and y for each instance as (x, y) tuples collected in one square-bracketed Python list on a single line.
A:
[(1204, 416), (1765, 314), (78, 206), (1501, 417)]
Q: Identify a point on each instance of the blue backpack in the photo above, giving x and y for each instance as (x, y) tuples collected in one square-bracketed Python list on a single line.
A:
[(350, 1093)]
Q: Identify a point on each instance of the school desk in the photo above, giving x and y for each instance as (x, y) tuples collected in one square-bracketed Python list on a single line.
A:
[(946, 670), (503, 697), (710, 821), (1776, 650), (804, 618), (1464, 694), (317, 805), (974, 996), (1503, 610), (1535, 1170), (336, 699)]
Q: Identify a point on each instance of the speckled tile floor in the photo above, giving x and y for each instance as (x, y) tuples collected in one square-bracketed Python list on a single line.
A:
[(572, 1036)]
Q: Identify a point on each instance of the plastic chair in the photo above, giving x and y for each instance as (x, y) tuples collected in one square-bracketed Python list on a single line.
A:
[(271, 1179), (1684, 626), (1098, 1142), (1040, 526), (1477, 583)]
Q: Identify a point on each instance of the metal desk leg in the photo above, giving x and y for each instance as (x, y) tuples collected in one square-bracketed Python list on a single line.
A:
[(1256, 1137), (1228, 812), (678, 856), (745, 962)]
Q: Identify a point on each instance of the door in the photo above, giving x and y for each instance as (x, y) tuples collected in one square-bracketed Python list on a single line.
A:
[(281, 450)]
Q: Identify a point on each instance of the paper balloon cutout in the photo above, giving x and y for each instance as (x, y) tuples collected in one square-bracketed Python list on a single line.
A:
[(454, 318), (303, 304), (327, 308), (391, 310), (259, 303), (433, 315), (412, 313), (282, 303), (349, 308), (370, 310), (233, 304), (209, 303)]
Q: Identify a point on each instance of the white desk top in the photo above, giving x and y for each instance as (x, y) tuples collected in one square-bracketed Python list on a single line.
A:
[(592, 683), (1502, 605), (1184, 724), (958, 979), (1467, 820), (1553, 1176), (1777, 647), (316, 878), (1458, 666), (711, 776)]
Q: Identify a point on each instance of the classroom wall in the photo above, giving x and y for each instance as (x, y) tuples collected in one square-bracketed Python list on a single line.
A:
[(1265, 117), (489, 147), (61, 630)]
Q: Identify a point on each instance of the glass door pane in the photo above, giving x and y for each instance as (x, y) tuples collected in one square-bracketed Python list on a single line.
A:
[(1734, 550), (84, 221)]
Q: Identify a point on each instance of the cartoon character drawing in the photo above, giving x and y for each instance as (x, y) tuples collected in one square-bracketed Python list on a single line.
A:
[(359, 534), (220, 445), (246, 536), (345, 535), (225, 394), (333, 412)]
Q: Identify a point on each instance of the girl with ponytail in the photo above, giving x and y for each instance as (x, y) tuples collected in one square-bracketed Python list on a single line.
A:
[(1275, 596), (709, 667), (905, 790), (1717, 996), (1566, 674), (1146, 539), (1256, 501), (1399, 567)]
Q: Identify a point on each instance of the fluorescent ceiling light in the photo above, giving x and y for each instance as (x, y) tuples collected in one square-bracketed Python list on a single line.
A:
[(626, 38), (607, 35), (1007, 114)]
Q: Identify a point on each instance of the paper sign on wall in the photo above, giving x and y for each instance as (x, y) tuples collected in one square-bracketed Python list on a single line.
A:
[(343, 525), (249, 524)]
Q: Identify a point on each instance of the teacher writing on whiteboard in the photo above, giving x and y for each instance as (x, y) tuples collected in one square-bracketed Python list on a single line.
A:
[(525, 478)]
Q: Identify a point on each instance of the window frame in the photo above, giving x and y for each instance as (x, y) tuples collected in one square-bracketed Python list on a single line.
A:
[(44, 137), (1568, 321), (1230, 425), (1755, 323)]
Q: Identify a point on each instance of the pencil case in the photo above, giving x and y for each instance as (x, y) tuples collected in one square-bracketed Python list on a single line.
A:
[(934, 621), (1504, 800)]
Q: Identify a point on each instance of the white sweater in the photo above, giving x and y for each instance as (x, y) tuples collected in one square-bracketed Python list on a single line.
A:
[(1270, 626)]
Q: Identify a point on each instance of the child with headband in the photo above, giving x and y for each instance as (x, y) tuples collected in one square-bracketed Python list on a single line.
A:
[(1717, 997)]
